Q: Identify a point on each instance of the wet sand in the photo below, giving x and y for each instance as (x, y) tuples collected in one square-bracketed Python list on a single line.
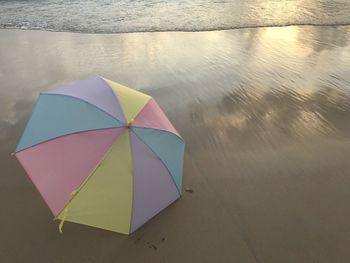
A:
[(266, 116)]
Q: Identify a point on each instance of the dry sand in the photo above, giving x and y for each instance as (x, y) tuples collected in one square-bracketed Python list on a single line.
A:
[(266, 117)]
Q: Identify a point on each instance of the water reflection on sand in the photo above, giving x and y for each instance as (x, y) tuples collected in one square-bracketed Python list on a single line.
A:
[(266, 117)]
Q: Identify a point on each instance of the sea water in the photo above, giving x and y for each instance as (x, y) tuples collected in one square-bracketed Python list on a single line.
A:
[(110, 16)]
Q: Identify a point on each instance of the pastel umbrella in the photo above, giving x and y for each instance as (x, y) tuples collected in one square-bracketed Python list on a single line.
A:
[(102, 154)]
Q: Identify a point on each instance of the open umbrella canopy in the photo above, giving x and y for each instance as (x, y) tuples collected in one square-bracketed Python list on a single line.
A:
[(102, 154)]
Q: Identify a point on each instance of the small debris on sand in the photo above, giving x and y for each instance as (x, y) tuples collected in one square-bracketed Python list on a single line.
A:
[(189, 190)]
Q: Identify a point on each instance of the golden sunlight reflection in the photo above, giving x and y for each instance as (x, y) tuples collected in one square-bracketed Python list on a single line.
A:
[(242, 85), (288, 38)]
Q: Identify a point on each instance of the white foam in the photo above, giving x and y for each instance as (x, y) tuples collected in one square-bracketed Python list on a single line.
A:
[(112, 16)]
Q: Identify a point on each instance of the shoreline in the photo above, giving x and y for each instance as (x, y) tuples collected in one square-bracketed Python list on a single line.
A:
[(183, 31)]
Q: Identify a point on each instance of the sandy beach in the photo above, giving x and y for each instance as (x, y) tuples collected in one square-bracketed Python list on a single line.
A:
[(265, 113)]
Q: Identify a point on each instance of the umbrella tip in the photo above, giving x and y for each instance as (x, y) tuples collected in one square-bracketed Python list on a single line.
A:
[(130, 123)]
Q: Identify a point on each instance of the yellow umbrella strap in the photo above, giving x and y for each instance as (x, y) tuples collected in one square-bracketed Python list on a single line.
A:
[(60, 226), (65, 213)]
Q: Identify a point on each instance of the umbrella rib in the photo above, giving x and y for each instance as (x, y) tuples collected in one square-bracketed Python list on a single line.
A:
[(80, 99), (26, 127), (178, 190), (162, 130), (144, 106), (77, 190), (133, 183), (154, 128), (67, 134), (116, 98)]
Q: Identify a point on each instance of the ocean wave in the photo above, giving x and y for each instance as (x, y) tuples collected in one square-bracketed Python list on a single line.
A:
[(124, 16), (200, 29)]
